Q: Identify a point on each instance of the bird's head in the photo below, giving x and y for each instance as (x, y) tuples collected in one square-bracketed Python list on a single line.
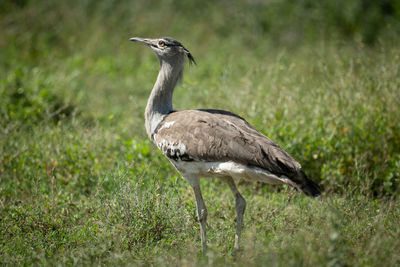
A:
[(166, 48)]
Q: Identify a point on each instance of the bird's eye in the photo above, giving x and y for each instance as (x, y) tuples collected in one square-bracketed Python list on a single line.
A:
[(161, 43)]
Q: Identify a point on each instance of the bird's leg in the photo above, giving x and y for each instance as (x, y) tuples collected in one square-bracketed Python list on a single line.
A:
[(202, 215), (240, 208)]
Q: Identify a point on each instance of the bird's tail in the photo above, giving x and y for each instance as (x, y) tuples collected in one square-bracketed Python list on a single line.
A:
[(307, 186)]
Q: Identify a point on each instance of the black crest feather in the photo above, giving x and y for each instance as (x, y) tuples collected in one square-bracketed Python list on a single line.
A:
[(190, 57), (172, 42)]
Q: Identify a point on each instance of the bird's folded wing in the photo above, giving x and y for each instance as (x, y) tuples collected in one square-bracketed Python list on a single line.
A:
[(214, 135)]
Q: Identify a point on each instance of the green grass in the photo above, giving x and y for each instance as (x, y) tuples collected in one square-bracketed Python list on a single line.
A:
[(81, 184)]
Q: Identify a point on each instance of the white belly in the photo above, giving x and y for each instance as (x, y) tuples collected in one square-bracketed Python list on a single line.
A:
[(198, 169)]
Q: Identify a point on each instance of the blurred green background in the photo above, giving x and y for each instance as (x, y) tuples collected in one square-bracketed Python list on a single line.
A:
[(80, 183)]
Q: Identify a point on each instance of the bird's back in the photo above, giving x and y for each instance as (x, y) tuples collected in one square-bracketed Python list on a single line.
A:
[(207, 139), (215, 135)]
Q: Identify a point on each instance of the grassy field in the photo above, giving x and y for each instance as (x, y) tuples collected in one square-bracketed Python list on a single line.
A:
[(80, 183)]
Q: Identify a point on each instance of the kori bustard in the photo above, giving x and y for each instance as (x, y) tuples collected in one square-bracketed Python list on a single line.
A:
[(212, 143)]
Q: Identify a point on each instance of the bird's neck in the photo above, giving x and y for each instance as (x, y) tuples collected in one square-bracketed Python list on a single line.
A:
[(159, 103)]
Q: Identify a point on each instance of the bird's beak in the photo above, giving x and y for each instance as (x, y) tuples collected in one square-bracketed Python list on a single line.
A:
[(144, 41)]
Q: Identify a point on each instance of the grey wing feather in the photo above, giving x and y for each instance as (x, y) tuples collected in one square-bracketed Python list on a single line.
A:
[(214, 135)]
